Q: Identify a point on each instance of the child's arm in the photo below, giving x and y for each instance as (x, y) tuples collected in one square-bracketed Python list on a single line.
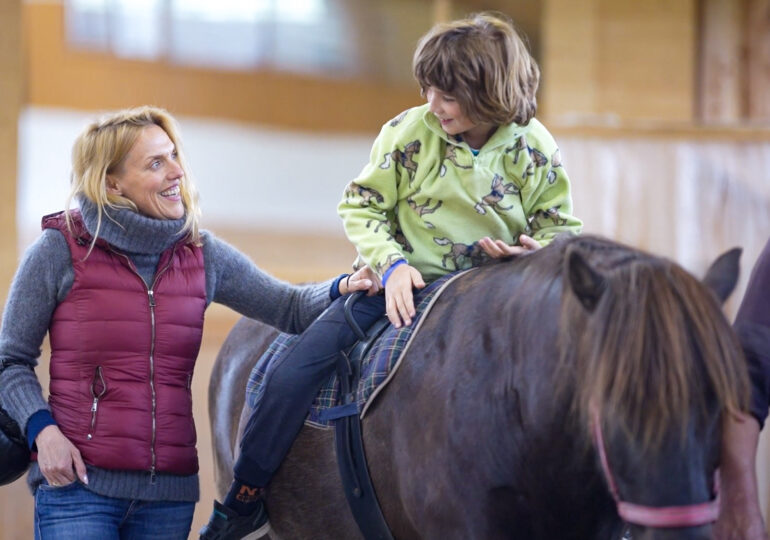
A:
[(368, 203), (547, 198)]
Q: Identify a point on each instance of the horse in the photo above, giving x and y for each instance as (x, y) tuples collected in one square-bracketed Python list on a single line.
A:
[(544, 396)]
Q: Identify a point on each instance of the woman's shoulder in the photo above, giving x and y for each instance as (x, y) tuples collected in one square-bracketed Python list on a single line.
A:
[(49, 253), (209, 242), (50, 243), (218, 253)]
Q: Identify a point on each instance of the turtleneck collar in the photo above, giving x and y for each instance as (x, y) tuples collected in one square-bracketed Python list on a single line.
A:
[(130, 231)]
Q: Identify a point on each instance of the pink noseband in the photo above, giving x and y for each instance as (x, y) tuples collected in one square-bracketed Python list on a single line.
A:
[(691, 515)]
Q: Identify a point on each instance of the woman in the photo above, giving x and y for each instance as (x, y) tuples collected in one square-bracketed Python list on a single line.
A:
[(121, 286), (741, 517)]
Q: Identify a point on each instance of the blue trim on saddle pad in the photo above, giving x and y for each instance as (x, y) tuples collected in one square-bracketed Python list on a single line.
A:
[(375, 367), (340, 411)]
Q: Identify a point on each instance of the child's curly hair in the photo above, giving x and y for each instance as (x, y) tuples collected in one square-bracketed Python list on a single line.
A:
[(483, 63)]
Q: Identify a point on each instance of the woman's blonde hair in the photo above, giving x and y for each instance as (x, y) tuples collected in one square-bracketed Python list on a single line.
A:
[(483, 63), (103, 146)]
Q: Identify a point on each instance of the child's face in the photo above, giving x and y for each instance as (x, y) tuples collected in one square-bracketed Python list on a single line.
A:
[(447, 110)]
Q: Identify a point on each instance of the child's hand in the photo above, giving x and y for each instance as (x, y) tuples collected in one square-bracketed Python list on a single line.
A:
[(498, 248), (399, 301), (363, 279)]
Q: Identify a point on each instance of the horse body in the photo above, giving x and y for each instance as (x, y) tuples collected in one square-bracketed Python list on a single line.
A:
[(485, 433)]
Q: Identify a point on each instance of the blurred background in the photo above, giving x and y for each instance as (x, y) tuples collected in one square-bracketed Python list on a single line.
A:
[(661, 110)]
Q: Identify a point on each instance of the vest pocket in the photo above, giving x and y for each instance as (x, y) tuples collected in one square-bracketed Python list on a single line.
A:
[(98, 389)]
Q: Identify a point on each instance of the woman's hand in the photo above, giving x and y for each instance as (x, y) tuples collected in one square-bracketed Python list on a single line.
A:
[(399, 300), (740, 517), (498, 248), (58, 458), (363, 279)]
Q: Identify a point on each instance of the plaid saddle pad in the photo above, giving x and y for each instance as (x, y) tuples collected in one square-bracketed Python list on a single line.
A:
[(375, 368)]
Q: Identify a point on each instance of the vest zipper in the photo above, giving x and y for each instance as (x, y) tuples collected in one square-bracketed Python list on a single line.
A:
[(151, 302), (96, 394), (151, 299)]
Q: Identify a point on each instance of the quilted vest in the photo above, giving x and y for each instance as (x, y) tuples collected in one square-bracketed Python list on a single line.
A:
[(122, 355)]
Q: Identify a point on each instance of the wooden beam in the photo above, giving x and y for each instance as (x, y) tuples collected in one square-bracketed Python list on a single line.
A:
[(16, 505), (758, 60), (11, 92), (722, 68)]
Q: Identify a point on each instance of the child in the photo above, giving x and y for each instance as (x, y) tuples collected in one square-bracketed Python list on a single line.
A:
[(468, 176)]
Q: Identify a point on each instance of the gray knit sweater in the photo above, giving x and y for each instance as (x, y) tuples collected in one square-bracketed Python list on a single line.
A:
[(44, 278)]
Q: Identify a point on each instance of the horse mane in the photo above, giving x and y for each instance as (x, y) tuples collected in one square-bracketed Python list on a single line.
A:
[(654, 349)]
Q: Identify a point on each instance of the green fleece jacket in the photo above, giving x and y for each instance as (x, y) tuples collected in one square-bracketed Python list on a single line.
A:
[(426, 198)]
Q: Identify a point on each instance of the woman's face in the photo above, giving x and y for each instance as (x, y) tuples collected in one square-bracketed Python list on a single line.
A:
[(150, 176)]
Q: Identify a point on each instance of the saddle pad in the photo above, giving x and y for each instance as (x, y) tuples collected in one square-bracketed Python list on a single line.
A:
[(375, 368)]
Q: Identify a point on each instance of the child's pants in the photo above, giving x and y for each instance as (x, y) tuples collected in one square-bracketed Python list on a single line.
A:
[(292, 384)]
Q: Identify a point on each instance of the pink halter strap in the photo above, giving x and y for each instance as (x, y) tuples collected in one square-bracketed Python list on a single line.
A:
[(691, 515)]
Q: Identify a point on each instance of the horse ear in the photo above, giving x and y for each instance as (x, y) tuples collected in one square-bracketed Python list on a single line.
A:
[(587, 284), (722, 275)]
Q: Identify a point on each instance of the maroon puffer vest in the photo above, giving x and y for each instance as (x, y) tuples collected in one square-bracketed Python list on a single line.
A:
[(122, 356)]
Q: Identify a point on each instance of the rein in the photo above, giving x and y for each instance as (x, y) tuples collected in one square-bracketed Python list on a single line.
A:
[(691, 515)]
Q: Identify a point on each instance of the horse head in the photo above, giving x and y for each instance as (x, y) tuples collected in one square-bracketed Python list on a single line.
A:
[(661, 367)]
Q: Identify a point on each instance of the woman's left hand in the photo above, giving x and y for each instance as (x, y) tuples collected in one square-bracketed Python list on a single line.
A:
[(363, 279), (498, 248), (740, 517)]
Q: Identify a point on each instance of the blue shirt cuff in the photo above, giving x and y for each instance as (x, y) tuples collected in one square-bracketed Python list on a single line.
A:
[(334, 290), (389, 271), (35, 425)]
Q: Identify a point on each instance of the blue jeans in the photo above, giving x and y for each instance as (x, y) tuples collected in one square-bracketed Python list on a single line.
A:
[(291, 386), (74, 512)]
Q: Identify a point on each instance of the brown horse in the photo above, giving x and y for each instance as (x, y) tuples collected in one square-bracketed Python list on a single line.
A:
[(488, 429)]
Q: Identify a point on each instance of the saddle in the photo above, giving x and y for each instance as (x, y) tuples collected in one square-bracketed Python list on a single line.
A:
[(348, 438), (349, 442), (363, 370), (374, 369)]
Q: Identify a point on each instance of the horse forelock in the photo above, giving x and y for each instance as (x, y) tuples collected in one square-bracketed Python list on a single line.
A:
[(655, 349)]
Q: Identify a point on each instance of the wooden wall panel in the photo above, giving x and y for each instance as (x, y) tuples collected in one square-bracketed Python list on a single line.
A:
[(646, 54), (569, 59), (619, 60)]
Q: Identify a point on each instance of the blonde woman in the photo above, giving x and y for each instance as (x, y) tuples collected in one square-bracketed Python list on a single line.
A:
[(121, 286)]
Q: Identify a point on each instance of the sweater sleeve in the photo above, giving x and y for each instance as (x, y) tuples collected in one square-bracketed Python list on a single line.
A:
[(368, 202), (42, 280), (546, 191), (233, 280), (752, 324)]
